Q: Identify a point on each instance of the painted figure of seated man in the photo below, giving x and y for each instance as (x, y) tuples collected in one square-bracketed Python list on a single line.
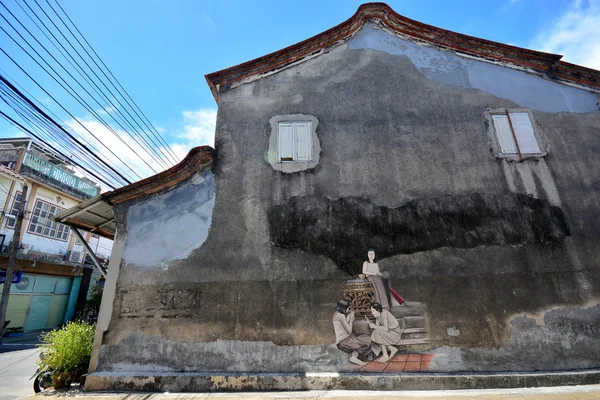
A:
[(357, 345)]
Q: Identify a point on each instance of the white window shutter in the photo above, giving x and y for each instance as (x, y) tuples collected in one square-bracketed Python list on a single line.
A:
[(524, 132), (303, 141), (286, 141), (504, 134)]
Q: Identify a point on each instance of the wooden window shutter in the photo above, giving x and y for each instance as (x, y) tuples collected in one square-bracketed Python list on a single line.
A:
[(528, 143), (303, 141), (286, 141), (504, 134)]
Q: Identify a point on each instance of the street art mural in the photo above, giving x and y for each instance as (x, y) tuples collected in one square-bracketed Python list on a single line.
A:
[(370, 325)]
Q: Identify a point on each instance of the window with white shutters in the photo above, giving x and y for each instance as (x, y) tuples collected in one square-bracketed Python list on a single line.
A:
[(515, 133), (295, 142)]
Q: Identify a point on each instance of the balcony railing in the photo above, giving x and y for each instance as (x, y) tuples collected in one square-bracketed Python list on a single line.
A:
[(60, 175)]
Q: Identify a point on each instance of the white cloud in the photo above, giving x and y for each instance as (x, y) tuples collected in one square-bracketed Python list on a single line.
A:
[(106, 110), (512, 3), (206, 20), (112, 148), (574, 34), (198, 128)]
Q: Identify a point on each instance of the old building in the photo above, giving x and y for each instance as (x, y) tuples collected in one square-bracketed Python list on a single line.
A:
[(50, 258), (470, 167)]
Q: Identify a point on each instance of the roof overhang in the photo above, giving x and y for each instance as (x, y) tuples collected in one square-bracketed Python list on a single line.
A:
[(10, 174), (96, 215), (536, 61)]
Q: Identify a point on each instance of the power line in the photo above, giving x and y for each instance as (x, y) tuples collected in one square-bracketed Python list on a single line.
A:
[(174, 157), (48, 129), (116, 101), (33, 124), (38, 138), (57, 125), (46, 126), (72, 92), (70, 146), (84, 75), (91, 69)]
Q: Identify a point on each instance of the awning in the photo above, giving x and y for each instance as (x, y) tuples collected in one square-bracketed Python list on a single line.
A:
[(94, 215)]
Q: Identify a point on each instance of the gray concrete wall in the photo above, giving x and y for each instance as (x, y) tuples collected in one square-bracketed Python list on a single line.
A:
[(504, 255)]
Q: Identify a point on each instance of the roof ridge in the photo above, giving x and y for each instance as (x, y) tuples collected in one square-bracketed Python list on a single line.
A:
[(545, 63), (198, 159)]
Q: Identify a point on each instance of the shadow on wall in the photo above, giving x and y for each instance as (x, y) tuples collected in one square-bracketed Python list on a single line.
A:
[(342, 229)]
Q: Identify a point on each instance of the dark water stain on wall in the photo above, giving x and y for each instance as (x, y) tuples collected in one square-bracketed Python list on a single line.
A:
[(343, 229)]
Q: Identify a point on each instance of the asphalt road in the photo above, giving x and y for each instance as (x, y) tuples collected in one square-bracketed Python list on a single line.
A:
[(16, 367), (18, 358)]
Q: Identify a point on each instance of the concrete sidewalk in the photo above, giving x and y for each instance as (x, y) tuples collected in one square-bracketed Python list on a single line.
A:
[(589, 392)]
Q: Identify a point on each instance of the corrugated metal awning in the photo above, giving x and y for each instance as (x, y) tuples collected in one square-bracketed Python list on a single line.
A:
[(94, 215)]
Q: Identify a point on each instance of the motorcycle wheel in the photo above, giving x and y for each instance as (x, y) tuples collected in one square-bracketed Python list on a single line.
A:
[(36, 384), (42, 382)]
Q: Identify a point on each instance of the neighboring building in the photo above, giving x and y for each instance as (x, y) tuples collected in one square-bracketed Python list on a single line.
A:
[(471, 167), (50, 257)]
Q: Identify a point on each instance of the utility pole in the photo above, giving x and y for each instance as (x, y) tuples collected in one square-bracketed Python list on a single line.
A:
[(12, 261)]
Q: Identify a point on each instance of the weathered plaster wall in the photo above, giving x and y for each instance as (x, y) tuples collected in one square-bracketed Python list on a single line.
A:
[(523, 88), (169, 227), (399, 125)]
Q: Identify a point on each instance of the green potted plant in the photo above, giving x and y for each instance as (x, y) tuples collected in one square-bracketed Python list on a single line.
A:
[(66, 352)]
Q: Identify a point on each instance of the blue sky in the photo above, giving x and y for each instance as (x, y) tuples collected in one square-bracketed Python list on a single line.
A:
[(161, 50)]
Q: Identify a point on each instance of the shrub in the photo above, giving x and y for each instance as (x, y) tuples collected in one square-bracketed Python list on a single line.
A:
[(67, 349)]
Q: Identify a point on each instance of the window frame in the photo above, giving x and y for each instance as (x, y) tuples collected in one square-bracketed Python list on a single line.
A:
[(295, 147), (496, 145), (60, 232)]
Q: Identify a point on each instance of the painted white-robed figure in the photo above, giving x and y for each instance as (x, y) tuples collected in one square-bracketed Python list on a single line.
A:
[(371, 270)]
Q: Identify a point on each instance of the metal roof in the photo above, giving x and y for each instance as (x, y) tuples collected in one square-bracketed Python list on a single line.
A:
[(94, 215)]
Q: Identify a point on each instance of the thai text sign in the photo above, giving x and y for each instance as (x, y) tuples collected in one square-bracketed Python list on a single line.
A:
[(15, 279)]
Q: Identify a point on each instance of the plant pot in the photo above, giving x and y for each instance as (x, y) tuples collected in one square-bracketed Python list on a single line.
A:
[(62, 380)]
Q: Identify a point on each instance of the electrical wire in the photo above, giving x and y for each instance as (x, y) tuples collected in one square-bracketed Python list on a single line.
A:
[(160, 138), (70, 145), (64, 109), (45, 129), (73, 93), (92, 70), (86, 78)]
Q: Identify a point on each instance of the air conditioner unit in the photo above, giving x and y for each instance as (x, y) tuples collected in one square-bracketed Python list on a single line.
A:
[(76, 256)]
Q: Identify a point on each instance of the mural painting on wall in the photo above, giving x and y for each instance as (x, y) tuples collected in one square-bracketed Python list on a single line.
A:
[(379, 330)]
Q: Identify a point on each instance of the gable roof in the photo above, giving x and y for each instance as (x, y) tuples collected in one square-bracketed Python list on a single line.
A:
[(545, 63), (97, 215)]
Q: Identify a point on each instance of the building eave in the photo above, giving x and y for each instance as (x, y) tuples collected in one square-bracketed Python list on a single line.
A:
[(12, 175), (544, 63), (96, 215)]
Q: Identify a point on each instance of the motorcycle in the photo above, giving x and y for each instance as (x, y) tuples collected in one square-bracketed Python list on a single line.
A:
[(43, 378), (42, 381)]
